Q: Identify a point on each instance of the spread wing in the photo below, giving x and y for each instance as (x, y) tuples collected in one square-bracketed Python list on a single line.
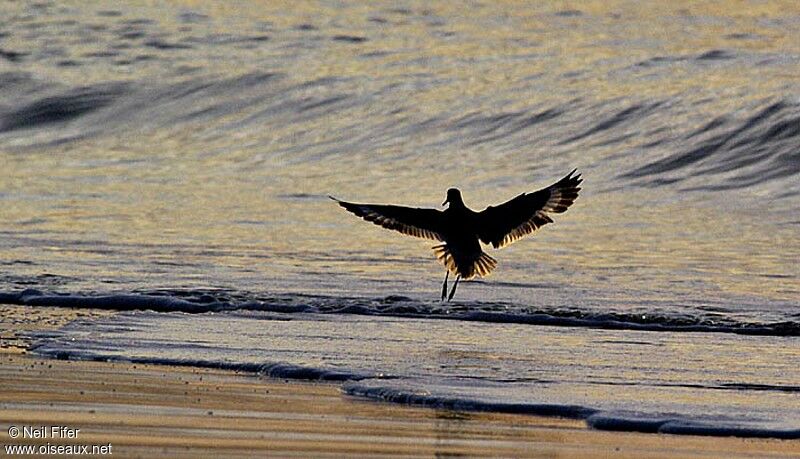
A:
[(524, 214), (424, 223)]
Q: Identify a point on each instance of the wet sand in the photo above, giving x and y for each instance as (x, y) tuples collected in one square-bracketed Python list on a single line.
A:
[(164, 411)]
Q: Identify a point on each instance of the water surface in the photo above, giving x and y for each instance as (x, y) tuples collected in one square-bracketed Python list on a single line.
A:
[(184, 150)]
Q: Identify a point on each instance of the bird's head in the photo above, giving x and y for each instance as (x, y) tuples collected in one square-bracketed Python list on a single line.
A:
[(453, 197)]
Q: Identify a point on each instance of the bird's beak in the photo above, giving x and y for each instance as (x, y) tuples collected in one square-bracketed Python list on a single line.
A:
[(445, 202)]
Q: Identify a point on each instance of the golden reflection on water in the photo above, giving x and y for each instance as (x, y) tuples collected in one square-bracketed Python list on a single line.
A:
[(479, 46), (186, 189)]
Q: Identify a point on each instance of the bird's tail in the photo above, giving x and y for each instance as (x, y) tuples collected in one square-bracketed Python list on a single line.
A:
[(466, 266)]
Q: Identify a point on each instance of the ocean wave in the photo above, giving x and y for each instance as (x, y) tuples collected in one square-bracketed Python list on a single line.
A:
[(762, 147), (279, 370), (752, 145), (687, 426), (397, 391), (61, 107), (393, 389), (198, 302), (592, 375), (371, 391)]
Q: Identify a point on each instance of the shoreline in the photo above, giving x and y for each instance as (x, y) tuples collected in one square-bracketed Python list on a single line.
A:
[(169, 411), (156, 410)]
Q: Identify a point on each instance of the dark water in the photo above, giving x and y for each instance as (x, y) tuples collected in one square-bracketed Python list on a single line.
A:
[(177, 156)]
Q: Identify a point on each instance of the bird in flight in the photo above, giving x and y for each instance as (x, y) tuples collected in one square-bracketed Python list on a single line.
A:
[(459, 228)]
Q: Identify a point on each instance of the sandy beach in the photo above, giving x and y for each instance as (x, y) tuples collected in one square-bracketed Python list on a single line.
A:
[(164, 411)]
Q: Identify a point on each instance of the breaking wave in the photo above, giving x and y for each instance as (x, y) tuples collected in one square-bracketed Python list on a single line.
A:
[(756, 144), (198, 302)]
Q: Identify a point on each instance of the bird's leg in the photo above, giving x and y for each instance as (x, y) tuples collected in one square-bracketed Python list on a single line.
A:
[(453, 292), (444, 286)]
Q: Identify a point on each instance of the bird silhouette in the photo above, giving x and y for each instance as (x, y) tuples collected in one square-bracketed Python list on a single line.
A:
[(460, 229)]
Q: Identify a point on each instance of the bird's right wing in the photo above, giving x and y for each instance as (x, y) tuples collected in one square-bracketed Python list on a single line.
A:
[(424, 223)]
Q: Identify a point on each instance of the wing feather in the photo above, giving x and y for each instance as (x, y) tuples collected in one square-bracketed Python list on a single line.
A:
[(526, 213), (423, 223)]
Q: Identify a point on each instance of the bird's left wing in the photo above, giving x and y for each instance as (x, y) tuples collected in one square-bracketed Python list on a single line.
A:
[(524, 214), (424, 223)]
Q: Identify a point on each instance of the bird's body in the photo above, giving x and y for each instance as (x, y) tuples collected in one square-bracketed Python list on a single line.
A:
[(461, 229), (461, 252)]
